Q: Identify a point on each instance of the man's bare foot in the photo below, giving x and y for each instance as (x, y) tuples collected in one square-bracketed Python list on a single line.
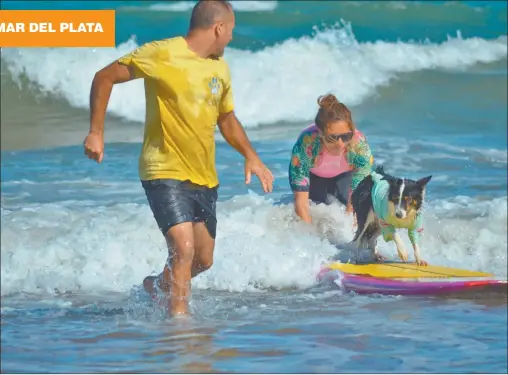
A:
[(149, 284), (162, 280)]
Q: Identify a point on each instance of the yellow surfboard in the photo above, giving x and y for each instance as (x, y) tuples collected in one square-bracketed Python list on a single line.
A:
[(404, 271)]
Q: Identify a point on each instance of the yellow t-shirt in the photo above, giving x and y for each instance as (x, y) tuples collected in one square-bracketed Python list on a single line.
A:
[(185, 94)]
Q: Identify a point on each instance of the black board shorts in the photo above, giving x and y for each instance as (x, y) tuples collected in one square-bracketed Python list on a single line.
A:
[(338, 187), (174, 202)]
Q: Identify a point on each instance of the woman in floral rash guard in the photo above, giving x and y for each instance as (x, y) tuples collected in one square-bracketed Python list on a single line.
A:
[(330, 158)]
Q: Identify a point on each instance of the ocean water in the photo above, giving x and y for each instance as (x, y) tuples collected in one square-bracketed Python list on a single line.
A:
[(427, 84)]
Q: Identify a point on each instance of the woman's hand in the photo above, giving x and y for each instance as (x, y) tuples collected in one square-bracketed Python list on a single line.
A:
[(302, 206)]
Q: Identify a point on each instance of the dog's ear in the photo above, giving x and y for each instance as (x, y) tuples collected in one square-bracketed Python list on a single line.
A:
[(380, 169), (423, 181)]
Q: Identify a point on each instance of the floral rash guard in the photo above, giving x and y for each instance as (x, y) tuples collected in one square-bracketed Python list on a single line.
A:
[(307, 153)]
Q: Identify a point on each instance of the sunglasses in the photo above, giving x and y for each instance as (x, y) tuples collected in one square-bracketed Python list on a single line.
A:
[(334, 138)]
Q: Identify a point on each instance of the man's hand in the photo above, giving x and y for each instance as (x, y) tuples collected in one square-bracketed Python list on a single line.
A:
[(102, 85), (254, 165), (233, 133), (94, 146)]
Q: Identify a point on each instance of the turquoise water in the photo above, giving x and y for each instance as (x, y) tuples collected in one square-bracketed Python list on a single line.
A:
[(427, 84)]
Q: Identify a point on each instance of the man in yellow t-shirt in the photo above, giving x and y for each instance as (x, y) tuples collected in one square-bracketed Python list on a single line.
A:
[(188, 92)]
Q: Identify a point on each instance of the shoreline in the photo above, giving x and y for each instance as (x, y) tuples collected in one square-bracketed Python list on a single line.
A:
[(63, 130), (43, 136)]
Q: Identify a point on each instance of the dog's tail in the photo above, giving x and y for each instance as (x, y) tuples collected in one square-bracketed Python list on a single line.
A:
[(379, 174), (362, 204)]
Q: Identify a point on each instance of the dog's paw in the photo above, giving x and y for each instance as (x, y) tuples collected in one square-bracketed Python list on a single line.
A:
[(403, 256), (421, 262)]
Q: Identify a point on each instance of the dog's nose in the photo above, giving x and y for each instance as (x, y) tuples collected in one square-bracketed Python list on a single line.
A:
[(398, 214)]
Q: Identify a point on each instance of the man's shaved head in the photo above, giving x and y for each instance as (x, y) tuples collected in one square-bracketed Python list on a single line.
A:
[(207, 12)]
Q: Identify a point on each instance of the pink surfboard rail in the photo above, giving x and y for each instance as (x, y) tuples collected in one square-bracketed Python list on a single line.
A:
[(374, 285)]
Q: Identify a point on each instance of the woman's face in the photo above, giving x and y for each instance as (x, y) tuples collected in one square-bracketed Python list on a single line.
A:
[(337, 135)]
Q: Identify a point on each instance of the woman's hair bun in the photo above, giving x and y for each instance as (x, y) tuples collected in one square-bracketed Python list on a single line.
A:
[(328, 102)]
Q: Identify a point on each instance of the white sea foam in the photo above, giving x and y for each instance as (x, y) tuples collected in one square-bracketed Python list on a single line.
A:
[(58, 246)]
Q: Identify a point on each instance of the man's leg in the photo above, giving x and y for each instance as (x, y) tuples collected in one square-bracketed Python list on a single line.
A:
[(161, 281), (192, 247), (204, 245), (180, 270), (172, 203), (205, 229), (190, 219)]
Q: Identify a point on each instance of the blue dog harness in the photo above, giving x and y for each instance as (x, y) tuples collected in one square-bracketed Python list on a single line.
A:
[(388, 221)]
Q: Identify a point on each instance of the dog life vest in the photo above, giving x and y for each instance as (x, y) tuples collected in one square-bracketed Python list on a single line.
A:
[(386, 214)]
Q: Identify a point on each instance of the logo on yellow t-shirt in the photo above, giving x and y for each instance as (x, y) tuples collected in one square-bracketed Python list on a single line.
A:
[(214, 85)]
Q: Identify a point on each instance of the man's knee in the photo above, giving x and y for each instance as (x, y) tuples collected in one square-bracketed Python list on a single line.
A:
[(203, 254), (204, 247), (181, 239), (204, 261)]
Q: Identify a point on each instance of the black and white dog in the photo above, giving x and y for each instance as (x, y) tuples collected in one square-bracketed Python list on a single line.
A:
[(382, 204)]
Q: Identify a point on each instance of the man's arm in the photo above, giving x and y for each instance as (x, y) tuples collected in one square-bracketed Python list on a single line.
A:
[(102, 85), (234, 134), (140, 63), (229, 125)]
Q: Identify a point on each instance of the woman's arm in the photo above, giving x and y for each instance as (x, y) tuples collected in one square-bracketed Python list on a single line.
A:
[(299, 171), (302, 206)]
